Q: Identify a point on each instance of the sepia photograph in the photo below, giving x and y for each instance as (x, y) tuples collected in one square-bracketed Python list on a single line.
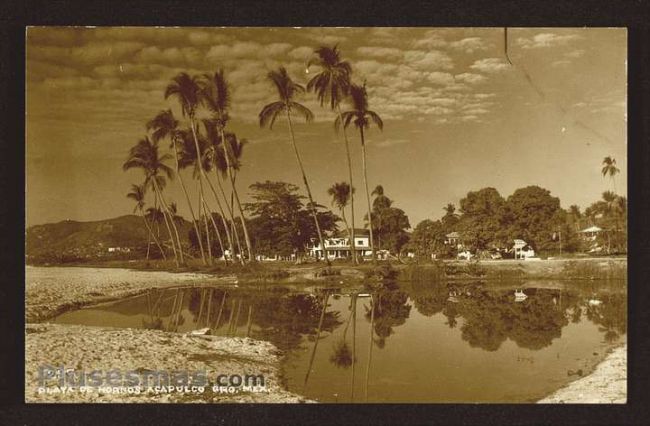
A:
[(326, 215)]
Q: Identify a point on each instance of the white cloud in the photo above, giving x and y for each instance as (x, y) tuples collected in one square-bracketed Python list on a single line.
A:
[(470, 78), (490, 65), (428, 60), (545, 40), (468, 45), (380, 52)]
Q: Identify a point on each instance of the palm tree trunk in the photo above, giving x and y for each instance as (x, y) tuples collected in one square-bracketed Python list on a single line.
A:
[(171, 219), (318, 331), (205, 221), (347, 151), (216, 230), (231, 214), (223, 216), (223, 303), (347, 226), (189, 203), (148, 235), (234, 190), (372, 323), (354, 341), (304, 179), (365, 181), (169, 231), (151, 234)]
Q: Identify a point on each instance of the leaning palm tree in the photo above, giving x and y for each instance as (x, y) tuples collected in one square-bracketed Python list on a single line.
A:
[(144, 155), (187, 157), (332, 85), (236, 150), (341, 194), (215, 96), (609, 168), (287, 91), (165, 125), (215, 159), (362, 117), (137, 194)]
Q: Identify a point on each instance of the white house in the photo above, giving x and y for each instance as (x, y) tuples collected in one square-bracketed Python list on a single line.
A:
[(590, 233), (522, 250), (339, 247), (453, 238), (589, 236)]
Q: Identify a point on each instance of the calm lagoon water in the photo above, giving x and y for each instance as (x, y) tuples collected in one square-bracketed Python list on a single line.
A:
[(410, 342)]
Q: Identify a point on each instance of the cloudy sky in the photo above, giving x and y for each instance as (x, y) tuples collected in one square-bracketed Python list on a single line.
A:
[(457, 115)]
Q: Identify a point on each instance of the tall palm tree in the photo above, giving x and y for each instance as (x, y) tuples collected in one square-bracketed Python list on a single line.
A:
[(362, 117), (164, 125), (332, 84), (145, 156), (215, 95), (609, 168), (287, 91), (341, 194), (137, 194), (186, 90)]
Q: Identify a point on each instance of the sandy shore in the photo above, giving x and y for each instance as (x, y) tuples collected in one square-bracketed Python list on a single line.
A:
[(104, 349), (607, 384)]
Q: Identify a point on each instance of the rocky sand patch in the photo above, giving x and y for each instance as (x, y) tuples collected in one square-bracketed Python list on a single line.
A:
[(102, 349), (606, 385)]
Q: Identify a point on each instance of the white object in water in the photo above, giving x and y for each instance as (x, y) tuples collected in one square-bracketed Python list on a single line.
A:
[(520, 295), (363, 295), (452, 299), (201, 331), (595, 302)]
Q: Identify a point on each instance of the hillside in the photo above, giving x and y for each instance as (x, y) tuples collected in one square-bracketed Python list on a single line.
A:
[(70, 241)]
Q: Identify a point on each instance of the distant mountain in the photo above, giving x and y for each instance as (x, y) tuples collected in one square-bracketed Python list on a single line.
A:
[(73, 241)]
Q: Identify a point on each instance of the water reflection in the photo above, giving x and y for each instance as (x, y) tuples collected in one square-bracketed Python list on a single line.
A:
[(393, 334)]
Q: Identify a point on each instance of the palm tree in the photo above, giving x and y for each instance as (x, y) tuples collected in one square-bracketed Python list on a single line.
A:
[(609, 168), (137, 194), (341, 194), (450, 209), (165, 125), (362, 117), (186, 90), (287, 91), (215, 95), (332, 84), (144, 155), (574, 212)]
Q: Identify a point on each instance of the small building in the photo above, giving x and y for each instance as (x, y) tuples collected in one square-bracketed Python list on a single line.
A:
[(522, 250), (340, 247), (590, 233), (119, 250)]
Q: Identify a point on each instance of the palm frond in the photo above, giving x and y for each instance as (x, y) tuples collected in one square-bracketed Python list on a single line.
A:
[(302, 110)]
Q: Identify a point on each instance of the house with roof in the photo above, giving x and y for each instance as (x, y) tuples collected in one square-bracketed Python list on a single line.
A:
[(589, 238), (522, 250), (339, 246)]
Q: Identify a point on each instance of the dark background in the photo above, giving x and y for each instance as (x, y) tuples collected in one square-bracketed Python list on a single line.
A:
[(13, 19)]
